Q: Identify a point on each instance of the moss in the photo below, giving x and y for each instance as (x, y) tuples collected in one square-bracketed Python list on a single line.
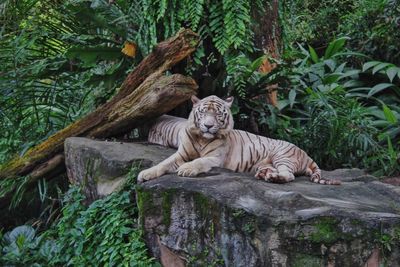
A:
[(167, 198), (250, 226), (325, 231), (212, 230), (355, 222), (89, 172), (202, 204), (202, 259), (238, 213), (9, 169), (43, 151), (301, 260), (144, 202), (387, 241), (301, 236)]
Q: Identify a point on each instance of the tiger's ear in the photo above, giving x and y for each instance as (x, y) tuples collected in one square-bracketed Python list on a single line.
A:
[(195, 100), (229, 101)]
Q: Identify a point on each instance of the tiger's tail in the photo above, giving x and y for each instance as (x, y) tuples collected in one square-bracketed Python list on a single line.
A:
[(316, 177)]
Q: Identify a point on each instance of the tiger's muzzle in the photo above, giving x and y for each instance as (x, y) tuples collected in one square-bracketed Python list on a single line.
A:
[(209, 126)]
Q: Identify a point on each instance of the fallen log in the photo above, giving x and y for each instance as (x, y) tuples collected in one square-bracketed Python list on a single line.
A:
[(144, 94)]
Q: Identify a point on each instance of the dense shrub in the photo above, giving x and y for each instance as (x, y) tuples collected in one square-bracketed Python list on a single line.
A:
[(103, 234), (342, 116), (371, 25)]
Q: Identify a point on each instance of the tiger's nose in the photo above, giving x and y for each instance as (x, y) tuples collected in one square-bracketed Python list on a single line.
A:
[(208, 126)]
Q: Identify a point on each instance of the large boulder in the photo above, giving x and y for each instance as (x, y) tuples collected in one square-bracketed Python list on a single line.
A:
[(231, 219), (101, 167)]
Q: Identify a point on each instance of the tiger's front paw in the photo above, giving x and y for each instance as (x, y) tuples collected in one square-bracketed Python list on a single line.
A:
[(188, 170), (148, 174)]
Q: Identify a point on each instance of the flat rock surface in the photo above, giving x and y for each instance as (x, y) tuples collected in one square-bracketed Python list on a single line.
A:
[(101, 166), (360, 196)]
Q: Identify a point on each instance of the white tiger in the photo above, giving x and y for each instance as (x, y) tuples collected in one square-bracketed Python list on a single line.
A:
[(207, 139)]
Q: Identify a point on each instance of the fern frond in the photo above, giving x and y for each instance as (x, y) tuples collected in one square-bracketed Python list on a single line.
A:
[(236, 20), (217, 27), (196, 10)]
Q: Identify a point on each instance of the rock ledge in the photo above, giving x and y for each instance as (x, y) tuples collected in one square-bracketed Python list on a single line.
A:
[(232, 219)]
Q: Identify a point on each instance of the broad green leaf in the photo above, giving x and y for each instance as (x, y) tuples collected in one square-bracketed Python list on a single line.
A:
[(305, 52), (338, 45), (328, 51), (391, 72), (331, 78), (257, 63), (352, 83), (380, 67), (378, 88), (370, 64), (292, 97), (331, 64), (390, 146), (350, 95), (341, 67), (380, 123), (313, 55), (334, 47), (349, 73), (361, 89), (350, 54), (389, 115), (283, 104), (26, 231)]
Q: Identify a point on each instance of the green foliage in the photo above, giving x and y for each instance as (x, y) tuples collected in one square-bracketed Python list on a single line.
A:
[(351, 113), (62, 59), (338, 129), (225, 21), (21, 247), (373, 28), (55, 68), (16, 186), (337, 98), (103, 234), (242, 73), (371, 25), (312, 21)]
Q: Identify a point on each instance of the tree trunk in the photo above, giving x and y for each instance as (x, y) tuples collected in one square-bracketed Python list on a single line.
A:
[(268, 38), (144, 94)]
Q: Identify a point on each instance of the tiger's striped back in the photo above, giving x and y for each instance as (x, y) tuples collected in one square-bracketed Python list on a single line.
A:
[(166, 131)]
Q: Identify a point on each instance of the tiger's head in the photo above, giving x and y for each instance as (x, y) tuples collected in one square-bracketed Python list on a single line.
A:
[(211, 116)]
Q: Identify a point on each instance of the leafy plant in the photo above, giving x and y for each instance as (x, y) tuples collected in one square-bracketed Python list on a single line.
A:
[(45, 83), (373, 28), (326, 103), (21, 247), (372, 25), (105, 233)]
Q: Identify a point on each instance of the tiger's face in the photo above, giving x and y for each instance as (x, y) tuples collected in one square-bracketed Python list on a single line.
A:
[(211, 116)]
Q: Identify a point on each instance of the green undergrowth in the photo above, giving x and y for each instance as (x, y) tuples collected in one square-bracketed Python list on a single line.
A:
[(105, 233)]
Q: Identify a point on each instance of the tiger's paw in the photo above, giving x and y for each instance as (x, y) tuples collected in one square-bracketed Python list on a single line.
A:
[(266, 173), (281, 178), (188, 170), (146, 175), (272, 175)]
